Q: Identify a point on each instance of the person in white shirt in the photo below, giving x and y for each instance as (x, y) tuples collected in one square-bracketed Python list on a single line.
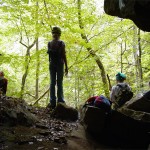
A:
[(121, 92)]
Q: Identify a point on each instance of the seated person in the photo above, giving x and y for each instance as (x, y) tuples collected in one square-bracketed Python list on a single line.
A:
[(3, 83), (120, 93)]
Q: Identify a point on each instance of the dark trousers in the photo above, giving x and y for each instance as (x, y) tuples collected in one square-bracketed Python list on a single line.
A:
[(56, 76)]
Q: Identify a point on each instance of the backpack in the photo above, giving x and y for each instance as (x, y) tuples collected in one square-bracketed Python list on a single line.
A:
[(100, 102), (103, 103), (124, 96), (55, 54), (90, 101)]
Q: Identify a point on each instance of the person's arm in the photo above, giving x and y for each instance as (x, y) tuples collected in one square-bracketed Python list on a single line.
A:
[(66, 65), (65, 60), (48, 50), (48, 47), (112, 94)]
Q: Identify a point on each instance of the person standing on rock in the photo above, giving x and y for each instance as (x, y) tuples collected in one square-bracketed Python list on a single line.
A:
[(57, 60), (3, 83), (120, 93)]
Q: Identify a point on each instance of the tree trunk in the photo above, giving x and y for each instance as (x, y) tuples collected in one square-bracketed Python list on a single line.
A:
[(121, 57), (78, 90), (27, 62), (75, 88), (138, 56), (139, 59), (92, 53), (135, 51), (37, 70), (37, 55)]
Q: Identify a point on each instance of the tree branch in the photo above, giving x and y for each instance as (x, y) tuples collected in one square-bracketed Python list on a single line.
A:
[(33, 43), (22, 42), (25, 29), (96, 35), (30, 95), (21, 36), (41, 96), (45, 4)]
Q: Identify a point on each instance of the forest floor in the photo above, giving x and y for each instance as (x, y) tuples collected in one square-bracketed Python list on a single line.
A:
[(24, 127), (48, 134)]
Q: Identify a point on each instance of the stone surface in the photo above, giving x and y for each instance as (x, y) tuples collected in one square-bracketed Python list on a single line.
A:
[(64, 112), (141, 104), (95, 119), (127, 128), (14, 111), (136, 10)]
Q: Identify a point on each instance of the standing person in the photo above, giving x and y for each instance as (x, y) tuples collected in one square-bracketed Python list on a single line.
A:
[(3, 83), (121, 92), (57, 60)]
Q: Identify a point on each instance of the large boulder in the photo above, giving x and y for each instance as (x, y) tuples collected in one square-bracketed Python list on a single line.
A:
[(15, 111), (125, 127), (95, 119), (65, 112), (129, 130), (136, 10), (140, 104)]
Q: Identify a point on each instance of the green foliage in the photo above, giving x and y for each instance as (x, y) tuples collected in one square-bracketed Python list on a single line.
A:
[(26, 20)]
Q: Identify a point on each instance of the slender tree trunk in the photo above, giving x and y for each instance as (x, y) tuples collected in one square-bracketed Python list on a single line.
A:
[(139, 59), (75, 92), (135, 51), (138, 56), (37, 55), (27, 62), (78, 90), (93, 83), (92, 53), (121, 57), (37, 70)]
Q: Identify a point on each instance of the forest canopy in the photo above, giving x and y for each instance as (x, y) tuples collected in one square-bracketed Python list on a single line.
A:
[(96, 45)]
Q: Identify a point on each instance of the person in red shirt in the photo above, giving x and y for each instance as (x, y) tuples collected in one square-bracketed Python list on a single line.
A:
[(3, 83)]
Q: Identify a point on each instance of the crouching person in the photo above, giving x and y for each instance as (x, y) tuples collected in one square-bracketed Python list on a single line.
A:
[(120, 93), (3, 84)]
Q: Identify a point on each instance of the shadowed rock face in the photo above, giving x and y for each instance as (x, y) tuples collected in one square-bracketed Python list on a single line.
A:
[(136, 10), (125, 129), (141, 104), (128, 127), (64, 112)]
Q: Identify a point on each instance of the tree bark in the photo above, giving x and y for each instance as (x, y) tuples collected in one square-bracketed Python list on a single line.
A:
[(138, 56), (27, 62), (92, 53), (36, 102), (121, 57), (37, 55), (37, 70), (139, 59), (135, 51)]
